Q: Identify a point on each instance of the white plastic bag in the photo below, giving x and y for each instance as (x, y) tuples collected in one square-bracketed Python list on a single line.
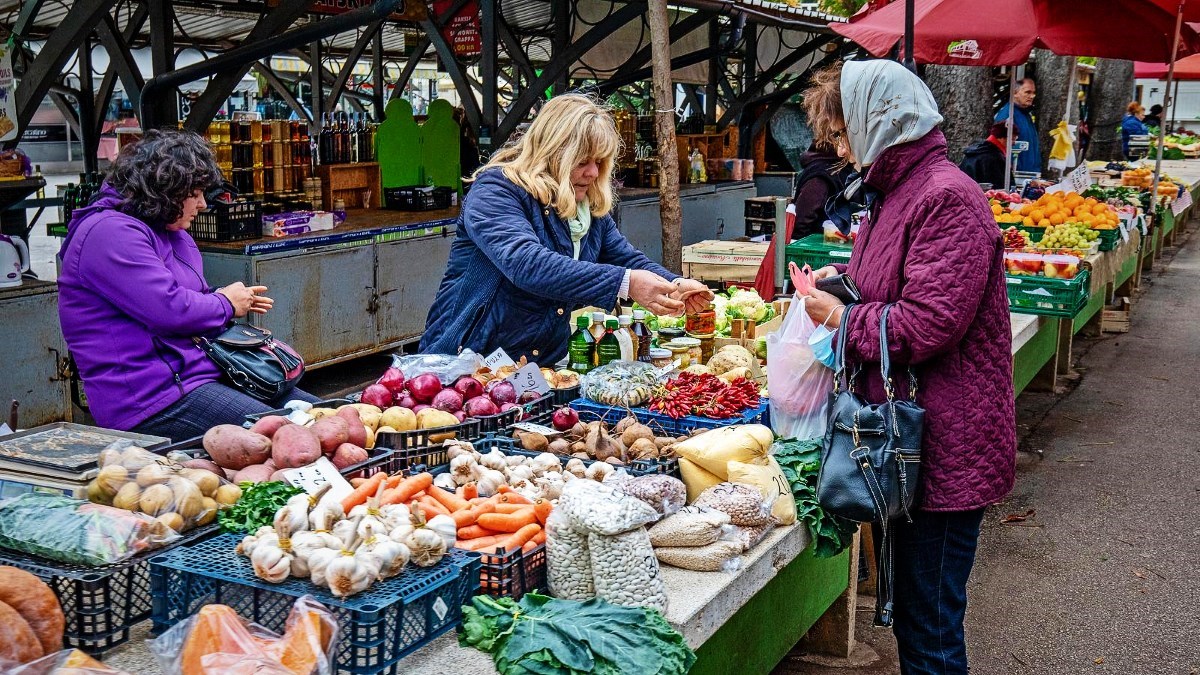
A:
[(799, 383)]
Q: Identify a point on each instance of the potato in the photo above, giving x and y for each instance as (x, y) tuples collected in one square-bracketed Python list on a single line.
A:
[(156, 500), (347, 455), (172, 520), (97, 495), (108, 456), (233, 447), (368, 437), (255, 473), (209, 513), (399, 419), (355, 422), (321, 413), (432, 418), (207, 481), (205, 465), (278, 477), (153, 474), (111, 478), (189, 501), (294, 446), (269, 424), (533, 442), (127, 497), (228, 494), (331, 432), (366, 410)]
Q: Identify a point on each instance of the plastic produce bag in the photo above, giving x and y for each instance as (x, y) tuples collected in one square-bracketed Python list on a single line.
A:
[(800, 384), (620, 383), (136, 479), (568, 562), (65, 662), (217, 641), (602, 509), (665, 494), (448, 368), (744, 503), (74, 531)]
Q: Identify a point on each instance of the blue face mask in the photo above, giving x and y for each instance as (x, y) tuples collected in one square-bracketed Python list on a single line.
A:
[(821, 341)]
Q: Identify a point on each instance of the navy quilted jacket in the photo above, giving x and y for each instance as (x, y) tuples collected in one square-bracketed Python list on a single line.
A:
[(933, 248), (512, 280)]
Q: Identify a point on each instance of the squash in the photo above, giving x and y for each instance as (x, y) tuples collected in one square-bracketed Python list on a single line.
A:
[(36, 603), (217, 629), (18, 642)]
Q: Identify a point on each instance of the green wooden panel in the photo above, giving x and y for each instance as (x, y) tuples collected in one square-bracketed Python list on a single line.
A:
[(764, 630), (1036, 353), (1127, 271), (398, 146), (440, 138), (1168, 224), (1094, 305)]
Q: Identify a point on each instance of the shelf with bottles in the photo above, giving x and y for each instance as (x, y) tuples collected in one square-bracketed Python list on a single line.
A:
[(263, 159), (345, 138), (710, 146)]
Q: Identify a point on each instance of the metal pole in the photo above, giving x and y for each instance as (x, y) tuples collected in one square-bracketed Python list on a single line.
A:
[(1162, 131), (910, 61), (781, 242), (1008, 160), (1174, 106)]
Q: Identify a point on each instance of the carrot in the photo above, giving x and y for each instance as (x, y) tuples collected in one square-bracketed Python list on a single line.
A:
[(485, 542), (515, 498), (522, 536), (477, 500), (470, 491), (542, 509), (468, 516), (406, 489), (451, 501), (432, 507), (395, 479), (507, 522), (529, 546), (475, 532), (505, 507), (540, 538), (366, 489), (355, 482)]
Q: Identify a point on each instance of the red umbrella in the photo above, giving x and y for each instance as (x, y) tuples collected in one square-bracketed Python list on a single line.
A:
[(1185, 69)]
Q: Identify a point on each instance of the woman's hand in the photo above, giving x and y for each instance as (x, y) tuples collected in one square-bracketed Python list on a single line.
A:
[(654, 293), (246, 299), (825, 272), (695, 295), (823, 307)]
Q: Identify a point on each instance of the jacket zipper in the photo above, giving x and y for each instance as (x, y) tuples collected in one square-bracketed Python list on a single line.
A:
[(174, 373)]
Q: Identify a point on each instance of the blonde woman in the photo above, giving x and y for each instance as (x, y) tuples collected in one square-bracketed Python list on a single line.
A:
[(536, 240)]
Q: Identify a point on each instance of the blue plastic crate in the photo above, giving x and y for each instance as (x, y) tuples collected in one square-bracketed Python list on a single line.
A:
[(376, 628), (660, 422)]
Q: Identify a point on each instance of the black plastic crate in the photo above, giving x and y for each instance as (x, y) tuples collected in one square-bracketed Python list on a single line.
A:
[(565, 396), (538, 411), (100, 604), (759, 207), (228, 222), (376, 628), (514, 573), (377, 457), (637, 467), (757, 228), (417, 198)]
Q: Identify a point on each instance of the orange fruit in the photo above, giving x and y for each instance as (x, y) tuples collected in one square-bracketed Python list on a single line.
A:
[(1044, 223), (1056, 219), (1099, 209), (997, 209), (1027, 221), (1038, 215), (1026, 209)]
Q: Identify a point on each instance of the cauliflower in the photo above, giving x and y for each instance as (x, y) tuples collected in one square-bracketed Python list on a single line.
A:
[(721, 310), (747, 304)]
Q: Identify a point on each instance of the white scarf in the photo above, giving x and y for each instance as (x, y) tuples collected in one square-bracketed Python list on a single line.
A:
[(884, 104)]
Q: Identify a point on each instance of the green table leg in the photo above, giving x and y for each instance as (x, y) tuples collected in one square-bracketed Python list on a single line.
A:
[(1093, 307), (765, 629), (1034, 355)]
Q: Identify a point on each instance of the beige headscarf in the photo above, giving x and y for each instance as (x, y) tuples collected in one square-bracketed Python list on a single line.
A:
[(885, 104)]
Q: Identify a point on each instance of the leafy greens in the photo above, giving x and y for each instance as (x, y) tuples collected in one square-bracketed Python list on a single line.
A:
[(256, 507), (801, 464)]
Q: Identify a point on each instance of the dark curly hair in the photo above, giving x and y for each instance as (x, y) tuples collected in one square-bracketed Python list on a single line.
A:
[(158, 172)]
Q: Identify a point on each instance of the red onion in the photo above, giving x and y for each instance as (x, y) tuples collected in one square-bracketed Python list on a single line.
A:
[(378, 396), (480, 406), (393, 379), (505, 407), (462, 416), (448, 400), (565, 418), (424, 387), (502, 392), (529, 397), (468, 386), (404, 400)]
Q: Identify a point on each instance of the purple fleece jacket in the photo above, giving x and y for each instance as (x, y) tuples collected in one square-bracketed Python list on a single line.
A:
[(131, 298), (934, 250)]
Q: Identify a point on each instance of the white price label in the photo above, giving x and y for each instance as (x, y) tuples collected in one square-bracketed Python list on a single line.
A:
[(1076, 181), (666, 370), (498, 359), (529, 378), (313, 477), (536, 428)]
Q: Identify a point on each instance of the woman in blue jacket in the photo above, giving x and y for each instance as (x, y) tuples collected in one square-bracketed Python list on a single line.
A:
[(1132, 125), (536, 241)]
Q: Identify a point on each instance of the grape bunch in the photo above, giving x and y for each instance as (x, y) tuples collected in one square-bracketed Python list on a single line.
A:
[(1068, 235), (1014, 238)]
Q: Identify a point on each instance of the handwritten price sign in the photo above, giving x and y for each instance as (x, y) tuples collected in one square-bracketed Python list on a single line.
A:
[(529, 378), (315, 476)]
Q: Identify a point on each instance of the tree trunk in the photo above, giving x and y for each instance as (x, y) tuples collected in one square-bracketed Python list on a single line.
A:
[(964, 97), (1112, 90), (1053, 77), (664, 130)]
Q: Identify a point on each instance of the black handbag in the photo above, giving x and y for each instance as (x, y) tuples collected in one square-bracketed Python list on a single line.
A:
[(871, 457), (253, 361)]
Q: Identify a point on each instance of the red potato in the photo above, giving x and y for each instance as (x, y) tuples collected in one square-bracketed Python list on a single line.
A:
[(277, 477), (206, 464), (348, 454), (358, 431), (332, 432), (271, 463), (268, 425), (256, 473), (295, 446), (233, 447)]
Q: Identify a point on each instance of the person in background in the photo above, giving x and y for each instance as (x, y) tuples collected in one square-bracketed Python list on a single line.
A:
[(1154, 119), (132, 296), (985, 161), (1132, 125), (468, 145), (822, 173), (536, 240), (948, 323), (1030, 160)]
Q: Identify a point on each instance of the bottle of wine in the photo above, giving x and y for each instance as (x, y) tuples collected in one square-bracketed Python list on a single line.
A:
[(352, 137), (325, 143)]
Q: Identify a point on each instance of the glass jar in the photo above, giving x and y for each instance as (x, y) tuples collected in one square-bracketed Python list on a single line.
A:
[(695, 354), (660, 357), (666, 335), (681, 353), (707, 344), (703, 322)]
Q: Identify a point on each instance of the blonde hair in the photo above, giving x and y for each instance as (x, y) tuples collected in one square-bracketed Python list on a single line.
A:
[(570, 130)]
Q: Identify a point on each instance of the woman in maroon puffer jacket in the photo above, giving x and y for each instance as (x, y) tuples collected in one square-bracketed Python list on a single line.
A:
[(931, 247)]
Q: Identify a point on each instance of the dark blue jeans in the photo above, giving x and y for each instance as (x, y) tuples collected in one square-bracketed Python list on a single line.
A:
[(207, 406), (933, 559)]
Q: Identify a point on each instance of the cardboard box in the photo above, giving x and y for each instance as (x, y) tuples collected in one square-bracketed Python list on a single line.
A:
[(296, 222)]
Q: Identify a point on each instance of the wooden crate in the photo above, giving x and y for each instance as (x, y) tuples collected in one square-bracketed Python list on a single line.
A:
[(712, 146), (723, 260), (1116, 317), (349, 182)]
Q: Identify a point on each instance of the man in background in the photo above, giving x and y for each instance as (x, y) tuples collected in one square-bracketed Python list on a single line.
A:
[(984, 160), (1031, 159)]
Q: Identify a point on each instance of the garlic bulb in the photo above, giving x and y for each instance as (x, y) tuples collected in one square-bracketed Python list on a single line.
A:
[(576, 467), (427, 546), (446, 527), (401, 532), (347, 574), (489, 482), (494, 460), (462, 468), (345, 530), (249, 542), (392, 555), (514, 460), (295, 511), (518, 473), (318, 562), (546, 461), (445, 481), (599, 471), (325, 514), (273, 562), (457, 448), (385, 517)]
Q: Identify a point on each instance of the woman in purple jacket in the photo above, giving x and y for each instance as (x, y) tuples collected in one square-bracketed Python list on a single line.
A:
[(132, 295), (931, 248)]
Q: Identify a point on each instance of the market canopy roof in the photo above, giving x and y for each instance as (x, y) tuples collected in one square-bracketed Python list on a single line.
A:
[(1185, 69)]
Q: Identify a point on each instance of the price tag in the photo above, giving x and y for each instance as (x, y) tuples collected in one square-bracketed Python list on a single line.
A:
[(666, 370), (315, 476), (498, 359), (529, 378), (1076, 181), (536, 429)]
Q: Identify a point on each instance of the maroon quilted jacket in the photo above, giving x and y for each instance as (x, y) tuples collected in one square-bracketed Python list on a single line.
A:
[(933, 248)]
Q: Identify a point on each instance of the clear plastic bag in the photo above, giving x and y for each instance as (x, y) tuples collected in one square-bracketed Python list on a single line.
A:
[(75, 531), (749, 537), (620, 383), (568, 562), (136, 479), (744, 503), (603, 509), (691, 526), (216, 641), (625, 570), (719, 556), (665, 494), (65, 662), (800, 383), (448, 368)]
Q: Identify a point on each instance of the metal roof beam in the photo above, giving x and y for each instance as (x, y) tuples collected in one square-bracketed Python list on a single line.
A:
[(281, 88), (364, 41), (769, 75)]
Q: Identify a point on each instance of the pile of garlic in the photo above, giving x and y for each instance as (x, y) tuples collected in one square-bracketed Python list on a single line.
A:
[(346, 552), (539, 477)]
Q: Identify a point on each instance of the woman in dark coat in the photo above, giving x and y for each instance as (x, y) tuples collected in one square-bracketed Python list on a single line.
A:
[(931, 249)]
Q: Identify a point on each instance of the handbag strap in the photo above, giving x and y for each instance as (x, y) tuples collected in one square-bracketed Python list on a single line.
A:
[(839, 357), (885, 361)]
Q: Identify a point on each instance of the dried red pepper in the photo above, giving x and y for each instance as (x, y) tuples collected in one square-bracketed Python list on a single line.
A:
[(705, 395)]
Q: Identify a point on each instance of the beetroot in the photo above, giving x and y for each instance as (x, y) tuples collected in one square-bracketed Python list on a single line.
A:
[(393, 379), (378, 396), (469, 387), (448, 400), (565, 418), (424, 387), (501, 391), (404, 400), (480, 406)]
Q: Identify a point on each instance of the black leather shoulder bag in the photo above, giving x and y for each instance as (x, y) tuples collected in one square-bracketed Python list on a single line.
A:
[(253, 361), (872, 455)]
